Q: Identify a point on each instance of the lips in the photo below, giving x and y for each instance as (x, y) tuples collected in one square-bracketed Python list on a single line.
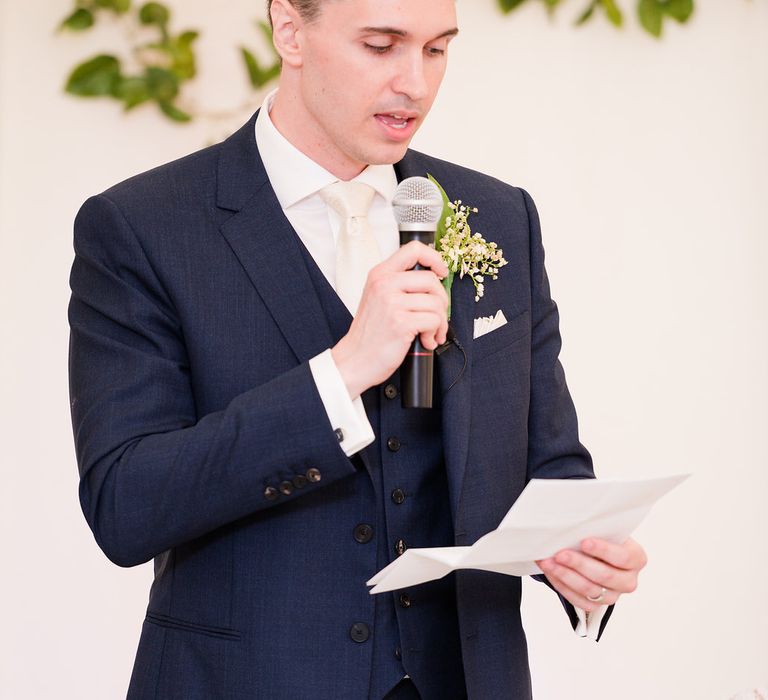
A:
[(398, 126), (394, 121)]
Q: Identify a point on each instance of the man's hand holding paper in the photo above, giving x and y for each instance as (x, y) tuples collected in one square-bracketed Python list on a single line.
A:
[(576, 531)]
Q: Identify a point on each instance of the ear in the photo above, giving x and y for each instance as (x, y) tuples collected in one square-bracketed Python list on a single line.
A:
[(286, 23)]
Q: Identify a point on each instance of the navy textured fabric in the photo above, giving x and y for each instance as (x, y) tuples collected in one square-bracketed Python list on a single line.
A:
[(202, 441)]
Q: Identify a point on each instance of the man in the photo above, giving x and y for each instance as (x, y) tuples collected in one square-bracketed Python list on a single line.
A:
[(235, 392)]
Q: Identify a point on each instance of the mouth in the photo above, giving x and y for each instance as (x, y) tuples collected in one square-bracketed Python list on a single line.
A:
[(398, 125)]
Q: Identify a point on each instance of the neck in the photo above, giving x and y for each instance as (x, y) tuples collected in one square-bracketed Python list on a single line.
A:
[(292, 120)]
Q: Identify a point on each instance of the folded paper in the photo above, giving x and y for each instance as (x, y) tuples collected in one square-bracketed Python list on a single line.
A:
[(549, 515)]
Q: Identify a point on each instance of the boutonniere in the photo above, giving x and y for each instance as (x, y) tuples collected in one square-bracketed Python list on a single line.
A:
[(464, 252)]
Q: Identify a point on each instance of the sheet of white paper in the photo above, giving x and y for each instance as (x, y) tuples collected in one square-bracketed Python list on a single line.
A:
[(549, 515)]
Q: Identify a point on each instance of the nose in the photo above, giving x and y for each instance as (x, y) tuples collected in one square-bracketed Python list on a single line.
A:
[(410, 79)]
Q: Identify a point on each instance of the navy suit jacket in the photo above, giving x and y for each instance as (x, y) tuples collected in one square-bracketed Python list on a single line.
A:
[(192, 322)]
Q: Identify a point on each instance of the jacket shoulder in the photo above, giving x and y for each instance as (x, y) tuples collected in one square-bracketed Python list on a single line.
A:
[(185, 179), (464, 183)]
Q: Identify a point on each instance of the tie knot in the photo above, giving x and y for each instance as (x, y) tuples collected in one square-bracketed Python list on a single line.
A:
[(348, 199)]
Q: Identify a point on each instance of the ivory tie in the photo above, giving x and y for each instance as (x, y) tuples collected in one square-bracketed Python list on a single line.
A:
[(356, 248)]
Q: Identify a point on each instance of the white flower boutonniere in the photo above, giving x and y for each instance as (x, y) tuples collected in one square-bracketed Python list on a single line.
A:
[(464, 252)]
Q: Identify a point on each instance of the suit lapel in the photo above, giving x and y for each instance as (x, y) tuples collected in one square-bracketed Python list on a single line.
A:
[(267, 246), (268, 249), (454, 375)]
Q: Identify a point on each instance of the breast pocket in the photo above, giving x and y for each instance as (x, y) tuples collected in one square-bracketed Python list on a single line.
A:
[(513, 331)]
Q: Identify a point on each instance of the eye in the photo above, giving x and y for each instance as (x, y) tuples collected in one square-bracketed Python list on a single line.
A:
[(432, 51), (378, 49)]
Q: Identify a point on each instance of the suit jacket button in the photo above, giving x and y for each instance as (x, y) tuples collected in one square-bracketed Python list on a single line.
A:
[(314, 475), (359, 632), (390, 391), (405, 600), (286, 488), (398, 496), (271, 493), (363, 533), (393, 444), (400, 547), (398, 653), (299, 481)]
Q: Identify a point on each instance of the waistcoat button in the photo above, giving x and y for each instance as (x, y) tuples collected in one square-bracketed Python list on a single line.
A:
[(405, 600), (359, 632), (390, 391), (363, 533), (398, 496), (400, 547), (393, 444)]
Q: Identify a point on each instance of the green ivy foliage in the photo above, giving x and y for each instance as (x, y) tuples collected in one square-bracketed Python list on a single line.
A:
[(167, 62), (650, 13)]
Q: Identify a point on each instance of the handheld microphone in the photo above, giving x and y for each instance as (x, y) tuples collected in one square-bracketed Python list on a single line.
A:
[(418, 206)]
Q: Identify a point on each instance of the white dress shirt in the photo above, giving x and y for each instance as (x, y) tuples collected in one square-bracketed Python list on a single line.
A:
[(297, 181)]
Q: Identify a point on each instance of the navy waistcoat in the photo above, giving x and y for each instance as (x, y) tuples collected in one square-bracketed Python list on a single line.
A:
[(416, 631)]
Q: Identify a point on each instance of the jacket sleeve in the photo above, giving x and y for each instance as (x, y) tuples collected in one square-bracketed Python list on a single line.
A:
[(554, 449), (153, 473)]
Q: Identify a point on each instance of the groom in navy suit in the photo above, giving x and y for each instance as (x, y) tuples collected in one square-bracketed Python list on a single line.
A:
[(237, 408)]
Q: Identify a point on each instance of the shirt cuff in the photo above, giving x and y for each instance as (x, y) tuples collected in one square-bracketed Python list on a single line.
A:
[(347, 417), (589, 624)]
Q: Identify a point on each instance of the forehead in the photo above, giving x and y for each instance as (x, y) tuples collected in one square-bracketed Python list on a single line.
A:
[(425, 18)]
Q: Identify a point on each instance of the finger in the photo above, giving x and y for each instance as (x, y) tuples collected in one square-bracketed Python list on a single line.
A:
[(424, 281), (435, 303), (415, 253), (411, 281), (573, 597), (598, 571), (628, 556), (578, 584)]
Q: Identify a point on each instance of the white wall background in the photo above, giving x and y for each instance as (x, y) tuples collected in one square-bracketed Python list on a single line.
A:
[(649, 164)]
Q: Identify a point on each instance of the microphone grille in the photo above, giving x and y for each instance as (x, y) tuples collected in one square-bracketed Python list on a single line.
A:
[(418, 202)]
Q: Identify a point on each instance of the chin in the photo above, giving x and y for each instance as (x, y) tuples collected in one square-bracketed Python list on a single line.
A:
[(387, 155)]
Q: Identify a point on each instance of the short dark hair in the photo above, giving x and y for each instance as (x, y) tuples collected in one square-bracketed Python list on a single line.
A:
[(308, 9)]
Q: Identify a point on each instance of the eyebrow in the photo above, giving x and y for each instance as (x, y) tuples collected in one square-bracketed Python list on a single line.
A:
[(392, 31)]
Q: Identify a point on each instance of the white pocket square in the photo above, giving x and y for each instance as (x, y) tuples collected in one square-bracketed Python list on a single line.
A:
[(486, 324)]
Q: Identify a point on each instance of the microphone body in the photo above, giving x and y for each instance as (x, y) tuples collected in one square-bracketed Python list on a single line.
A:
[(418, 207), (417, 370)]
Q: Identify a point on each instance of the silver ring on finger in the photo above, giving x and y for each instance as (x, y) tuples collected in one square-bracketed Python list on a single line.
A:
[(599, 597)]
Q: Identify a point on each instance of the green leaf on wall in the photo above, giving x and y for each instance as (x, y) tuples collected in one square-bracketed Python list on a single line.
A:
[(79, 20), (97, 77)]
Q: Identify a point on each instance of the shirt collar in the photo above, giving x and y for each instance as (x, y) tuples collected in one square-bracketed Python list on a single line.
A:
[(295, 176)]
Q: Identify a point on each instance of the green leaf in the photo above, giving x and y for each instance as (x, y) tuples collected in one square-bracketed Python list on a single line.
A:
[(119, 6), (173, 112), (680, 10), (439, 233), (650, 14), (258, 76), (133, 91), (162, 84), (182, 55), (154, 13), (613, 12), (94, 78), (509, 5), (79, 20), (587, 14)]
